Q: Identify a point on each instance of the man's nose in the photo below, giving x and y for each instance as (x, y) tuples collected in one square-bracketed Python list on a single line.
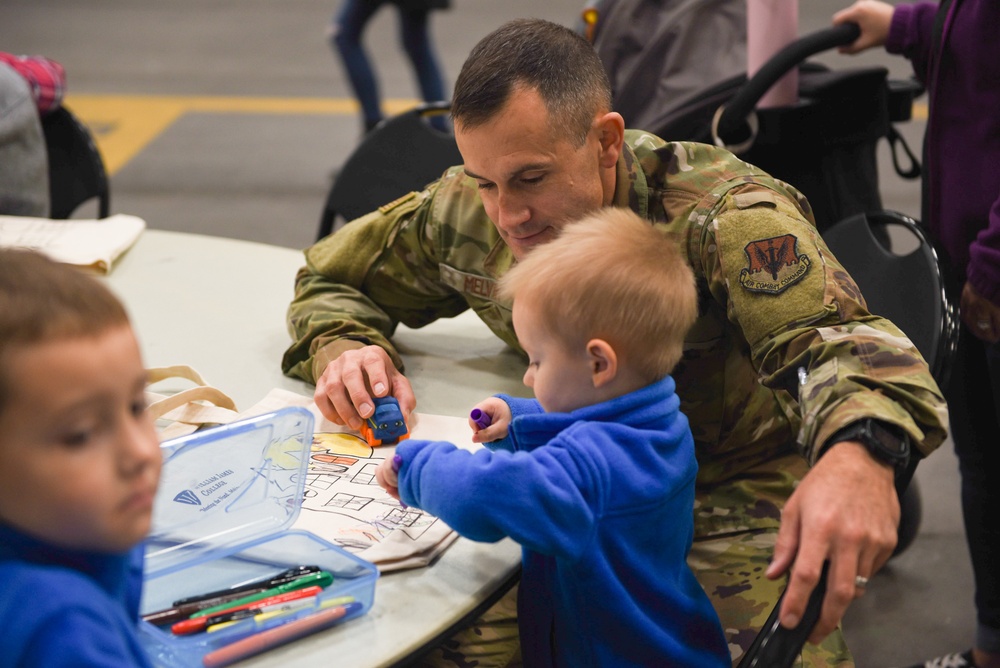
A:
[(512, 211)]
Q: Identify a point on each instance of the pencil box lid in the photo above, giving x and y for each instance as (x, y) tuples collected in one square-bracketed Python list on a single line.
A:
[(228, 485)]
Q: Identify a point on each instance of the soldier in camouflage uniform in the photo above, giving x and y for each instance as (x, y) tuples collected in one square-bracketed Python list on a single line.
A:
[(784, 353)]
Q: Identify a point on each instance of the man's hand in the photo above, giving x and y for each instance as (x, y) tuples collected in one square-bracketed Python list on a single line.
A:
[(344, 392), (980, 315), (873, 17), (845, 510)]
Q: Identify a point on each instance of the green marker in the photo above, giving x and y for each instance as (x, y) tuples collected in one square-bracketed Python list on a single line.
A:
[(321, 579)]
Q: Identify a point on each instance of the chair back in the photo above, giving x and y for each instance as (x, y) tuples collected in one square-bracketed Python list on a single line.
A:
[(907, 288), (76, 169), (403, 153)]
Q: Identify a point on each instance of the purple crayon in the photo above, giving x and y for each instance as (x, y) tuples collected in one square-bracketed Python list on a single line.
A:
[(481, 419)]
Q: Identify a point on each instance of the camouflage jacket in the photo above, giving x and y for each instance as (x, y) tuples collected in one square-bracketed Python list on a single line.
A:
[(784, 351)]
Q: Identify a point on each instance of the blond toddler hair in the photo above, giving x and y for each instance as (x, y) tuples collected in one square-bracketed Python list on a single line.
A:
[(614, 276)]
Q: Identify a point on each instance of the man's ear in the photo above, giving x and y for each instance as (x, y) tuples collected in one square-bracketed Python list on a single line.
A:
[(611, 134), (603, 362)]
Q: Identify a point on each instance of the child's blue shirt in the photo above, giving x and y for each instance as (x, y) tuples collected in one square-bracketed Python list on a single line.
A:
[(601, 500), (62, 607)]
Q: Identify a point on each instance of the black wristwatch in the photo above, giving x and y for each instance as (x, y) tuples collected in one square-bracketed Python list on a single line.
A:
[(886, 443)]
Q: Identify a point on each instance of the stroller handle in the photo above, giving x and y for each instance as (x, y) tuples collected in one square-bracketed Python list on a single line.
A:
[(732, 117)]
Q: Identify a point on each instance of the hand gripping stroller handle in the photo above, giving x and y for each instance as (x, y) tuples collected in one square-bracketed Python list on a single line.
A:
[(734, 115)]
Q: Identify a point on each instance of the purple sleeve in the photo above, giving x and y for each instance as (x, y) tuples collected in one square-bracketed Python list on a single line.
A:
[(984, 258), (910, 35)]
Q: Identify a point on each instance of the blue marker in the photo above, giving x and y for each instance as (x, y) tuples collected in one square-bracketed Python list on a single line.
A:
[(481, 419)]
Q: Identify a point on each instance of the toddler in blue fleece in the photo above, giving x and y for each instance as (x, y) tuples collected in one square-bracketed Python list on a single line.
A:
[(595, 478), (79, 467)]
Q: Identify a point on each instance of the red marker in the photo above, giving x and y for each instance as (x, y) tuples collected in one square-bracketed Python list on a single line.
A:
[(196, 624)]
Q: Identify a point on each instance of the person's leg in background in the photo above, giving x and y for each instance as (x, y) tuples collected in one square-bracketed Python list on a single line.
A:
[(973, 394), (345, 37), (414, 28)]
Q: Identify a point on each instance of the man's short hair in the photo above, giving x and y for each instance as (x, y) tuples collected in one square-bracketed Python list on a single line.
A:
[(42, 301), (614, 276), (552, 59)]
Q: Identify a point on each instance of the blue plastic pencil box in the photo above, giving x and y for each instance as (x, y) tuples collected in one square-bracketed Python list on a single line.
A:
[(222, 516)]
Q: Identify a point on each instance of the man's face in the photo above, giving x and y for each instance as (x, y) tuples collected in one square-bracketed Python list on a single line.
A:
[(531, 179)]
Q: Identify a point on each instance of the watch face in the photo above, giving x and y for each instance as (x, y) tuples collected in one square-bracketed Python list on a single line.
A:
[(889, 441)]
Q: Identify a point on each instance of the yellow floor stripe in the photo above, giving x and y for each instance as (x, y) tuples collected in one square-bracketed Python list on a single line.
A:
[(123, 125)]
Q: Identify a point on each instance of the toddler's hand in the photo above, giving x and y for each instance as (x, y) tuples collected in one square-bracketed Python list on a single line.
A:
[(387, 475), (495, 414)]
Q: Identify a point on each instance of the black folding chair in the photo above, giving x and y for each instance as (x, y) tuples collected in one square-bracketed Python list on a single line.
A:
[(403, 153), (909, 289), (76, 169)]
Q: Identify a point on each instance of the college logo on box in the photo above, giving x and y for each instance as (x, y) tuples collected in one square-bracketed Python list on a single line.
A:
[(188, 497), (773, 264)]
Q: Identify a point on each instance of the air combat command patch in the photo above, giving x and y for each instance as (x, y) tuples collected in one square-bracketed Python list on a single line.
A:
[(773, 264)]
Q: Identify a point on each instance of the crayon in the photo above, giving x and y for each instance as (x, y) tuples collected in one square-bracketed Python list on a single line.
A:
[(273, 611), (279, 635)]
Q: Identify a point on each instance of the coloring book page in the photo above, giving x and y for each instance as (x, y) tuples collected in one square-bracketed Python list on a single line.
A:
[(345, 505)]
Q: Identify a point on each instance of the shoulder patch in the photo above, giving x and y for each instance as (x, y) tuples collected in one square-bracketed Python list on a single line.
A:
[(773, 264), (386, 208)]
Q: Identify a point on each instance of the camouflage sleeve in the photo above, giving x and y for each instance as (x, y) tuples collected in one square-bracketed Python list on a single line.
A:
[(360, 282), (810, 336)]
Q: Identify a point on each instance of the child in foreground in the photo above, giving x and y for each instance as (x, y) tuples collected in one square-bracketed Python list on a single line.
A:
[(595, 478), (79, 467)]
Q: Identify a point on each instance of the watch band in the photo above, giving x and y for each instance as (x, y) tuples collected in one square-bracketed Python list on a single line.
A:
[(884, 441)]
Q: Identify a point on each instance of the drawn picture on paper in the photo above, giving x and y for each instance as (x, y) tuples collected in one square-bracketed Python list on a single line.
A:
[(344, 504)]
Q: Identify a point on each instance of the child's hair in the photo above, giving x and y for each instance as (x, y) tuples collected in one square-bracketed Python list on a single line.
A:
[(612, 275), (42, 300)]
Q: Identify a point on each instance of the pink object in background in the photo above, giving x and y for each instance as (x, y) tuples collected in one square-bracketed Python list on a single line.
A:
[(771, 25)]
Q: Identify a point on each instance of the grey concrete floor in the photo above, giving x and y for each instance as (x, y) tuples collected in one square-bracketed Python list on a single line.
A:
[(258, 165)]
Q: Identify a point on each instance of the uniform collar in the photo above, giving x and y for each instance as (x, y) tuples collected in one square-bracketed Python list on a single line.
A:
[(631, 189)]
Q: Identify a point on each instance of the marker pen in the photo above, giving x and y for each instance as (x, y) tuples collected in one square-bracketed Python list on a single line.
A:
[(177, 613), (481, 419), (265, 583), (196, 624), (321, 579)]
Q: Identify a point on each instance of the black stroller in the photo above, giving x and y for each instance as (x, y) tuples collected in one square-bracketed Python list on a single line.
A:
[(824, 145)]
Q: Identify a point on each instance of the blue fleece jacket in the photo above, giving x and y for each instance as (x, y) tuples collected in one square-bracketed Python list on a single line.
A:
[(601, 500), (61, 607)]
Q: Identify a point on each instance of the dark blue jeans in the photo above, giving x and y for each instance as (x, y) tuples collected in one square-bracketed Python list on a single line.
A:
[(973, 395), (348, 27)]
